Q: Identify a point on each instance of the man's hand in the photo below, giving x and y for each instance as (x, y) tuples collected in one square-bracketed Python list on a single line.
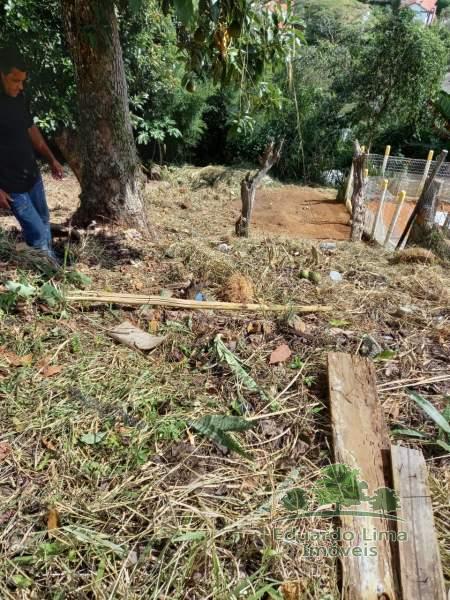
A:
[(57, 169), (5, 200)]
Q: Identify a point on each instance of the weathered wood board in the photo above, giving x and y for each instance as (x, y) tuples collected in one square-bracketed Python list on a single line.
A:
[(420, 564), (361, 441)]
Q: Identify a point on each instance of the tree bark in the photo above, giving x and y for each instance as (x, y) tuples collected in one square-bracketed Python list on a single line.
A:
[(68, 144), (426, 213), (431, 177), (111, 179), (250, 183), (358, 195)]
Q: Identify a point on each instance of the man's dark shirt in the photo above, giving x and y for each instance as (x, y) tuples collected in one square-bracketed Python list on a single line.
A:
[(18, 167)]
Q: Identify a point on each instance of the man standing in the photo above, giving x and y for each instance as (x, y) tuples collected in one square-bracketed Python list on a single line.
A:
[(21, 186)]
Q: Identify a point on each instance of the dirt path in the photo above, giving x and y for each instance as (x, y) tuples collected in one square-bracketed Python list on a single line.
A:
[(301, 212)]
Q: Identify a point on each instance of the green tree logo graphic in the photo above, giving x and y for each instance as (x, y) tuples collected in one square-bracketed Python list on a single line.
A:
[(384, 500), (340, 486)]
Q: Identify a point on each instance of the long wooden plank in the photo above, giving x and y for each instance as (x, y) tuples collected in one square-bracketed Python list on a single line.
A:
[(140, 299), (361, 441), (420, 565)]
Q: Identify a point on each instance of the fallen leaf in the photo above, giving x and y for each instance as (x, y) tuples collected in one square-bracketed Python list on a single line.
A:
[(292, 590), (92, 438), (5, 449), (153, 326), (130, 335), (50, 371), (52, 519), (280, 354), (15, 360), (48, 444)]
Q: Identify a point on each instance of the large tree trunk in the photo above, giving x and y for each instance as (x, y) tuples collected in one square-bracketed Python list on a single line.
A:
[(68, 144), (111, 179)]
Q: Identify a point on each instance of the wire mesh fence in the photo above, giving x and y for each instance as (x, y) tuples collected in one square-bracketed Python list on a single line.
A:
[(402, 174), (407, 174)]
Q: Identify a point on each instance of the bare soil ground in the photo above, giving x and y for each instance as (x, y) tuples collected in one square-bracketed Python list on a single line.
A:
[(106, 488)]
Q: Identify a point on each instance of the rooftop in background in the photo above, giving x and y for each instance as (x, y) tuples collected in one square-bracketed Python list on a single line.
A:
[(425, 10), (446, 84)]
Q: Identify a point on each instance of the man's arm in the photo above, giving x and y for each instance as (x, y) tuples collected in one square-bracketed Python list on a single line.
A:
[(39, 144)]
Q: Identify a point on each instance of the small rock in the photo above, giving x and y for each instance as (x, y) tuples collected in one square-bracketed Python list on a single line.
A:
[(335, 276), (297, 324), (169, 253), (328, 246), (132, 557), (224, 248), (406, 310), (370, 347)]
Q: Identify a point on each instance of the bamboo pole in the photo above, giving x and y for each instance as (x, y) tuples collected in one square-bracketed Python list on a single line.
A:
[(426, 171), (380, 206), (387, 153), (139, 300), (401, 198)]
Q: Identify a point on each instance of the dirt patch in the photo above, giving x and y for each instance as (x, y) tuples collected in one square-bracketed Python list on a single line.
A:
[(301, 212)]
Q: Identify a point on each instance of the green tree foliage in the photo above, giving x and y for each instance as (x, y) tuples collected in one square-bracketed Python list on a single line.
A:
[(396, 69)]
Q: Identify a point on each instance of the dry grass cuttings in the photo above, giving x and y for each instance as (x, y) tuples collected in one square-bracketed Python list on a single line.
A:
[(101, 441), (237, 288), (414, 255)]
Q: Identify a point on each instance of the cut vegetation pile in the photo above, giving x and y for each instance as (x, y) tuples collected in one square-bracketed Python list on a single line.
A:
[(114, 483)]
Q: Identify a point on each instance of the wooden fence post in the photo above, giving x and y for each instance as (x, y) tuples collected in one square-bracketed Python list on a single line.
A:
[(348, 191), (426, 171), (401, 199), (380, 206), (387, 152)]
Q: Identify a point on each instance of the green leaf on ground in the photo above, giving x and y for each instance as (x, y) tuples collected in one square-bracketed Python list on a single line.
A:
[(431, 411), (385, 355), (409, 433), (21, 581), (21, 289), (77, 278), (92, 438), (215, 427), (295, 499), (50, 294), (189, 536), (338, 323), (225, 355)]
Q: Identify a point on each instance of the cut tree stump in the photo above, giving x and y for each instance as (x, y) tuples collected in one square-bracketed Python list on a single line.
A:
[(359, 193), (424, 222), (249, 184), (423, 197), (420, 565), (361, 441)]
